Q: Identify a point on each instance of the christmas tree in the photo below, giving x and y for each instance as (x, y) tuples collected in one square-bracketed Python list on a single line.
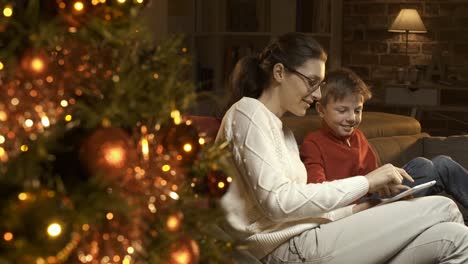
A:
[(98, 162)]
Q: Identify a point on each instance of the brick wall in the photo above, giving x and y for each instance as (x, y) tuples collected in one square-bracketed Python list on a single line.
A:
[(375, 54)]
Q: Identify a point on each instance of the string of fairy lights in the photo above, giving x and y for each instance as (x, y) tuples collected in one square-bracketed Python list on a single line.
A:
[(151, 162), (28, 105)]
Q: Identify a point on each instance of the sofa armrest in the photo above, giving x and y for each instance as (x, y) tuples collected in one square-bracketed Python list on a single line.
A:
[(454, 146)]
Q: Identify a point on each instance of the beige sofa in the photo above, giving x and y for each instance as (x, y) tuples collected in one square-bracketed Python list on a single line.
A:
[(396, 139)]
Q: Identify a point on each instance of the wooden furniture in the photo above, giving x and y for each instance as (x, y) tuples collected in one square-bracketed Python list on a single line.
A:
[(427, 96)]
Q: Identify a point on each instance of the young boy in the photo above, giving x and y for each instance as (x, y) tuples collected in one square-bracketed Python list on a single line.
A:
[(340, 150)]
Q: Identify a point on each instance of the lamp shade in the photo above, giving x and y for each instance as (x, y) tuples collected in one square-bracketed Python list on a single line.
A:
[(408, 20)]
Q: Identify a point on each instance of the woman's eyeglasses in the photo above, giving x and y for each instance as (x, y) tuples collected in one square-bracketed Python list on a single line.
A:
[(313, 84)]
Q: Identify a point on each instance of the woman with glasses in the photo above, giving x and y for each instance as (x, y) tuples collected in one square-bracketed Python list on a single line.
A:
[(282, 219)]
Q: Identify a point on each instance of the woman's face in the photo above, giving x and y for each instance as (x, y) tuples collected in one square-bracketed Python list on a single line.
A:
[(301, 87)]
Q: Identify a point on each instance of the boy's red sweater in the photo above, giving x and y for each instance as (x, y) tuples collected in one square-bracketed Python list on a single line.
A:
[(328, 157)]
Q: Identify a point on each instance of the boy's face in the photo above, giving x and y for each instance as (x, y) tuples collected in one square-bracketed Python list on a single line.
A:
[(342, 116)]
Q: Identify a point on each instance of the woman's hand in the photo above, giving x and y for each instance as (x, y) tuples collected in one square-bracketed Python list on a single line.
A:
[(386, 176), (365, 205), (390, 190)]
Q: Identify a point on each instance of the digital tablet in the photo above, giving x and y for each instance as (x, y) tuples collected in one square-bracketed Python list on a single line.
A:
[(413, 190)]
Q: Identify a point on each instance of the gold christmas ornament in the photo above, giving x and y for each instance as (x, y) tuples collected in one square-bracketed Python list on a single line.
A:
[(184, 251)]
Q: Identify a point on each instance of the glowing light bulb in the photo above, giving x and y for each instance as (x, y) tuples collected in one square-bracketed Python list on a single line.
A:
[(45, 121), (68, 118), (8, 11), (152, 208), (145, 148), (28, 123), (175, 114), (114, 156), (3, 116), (174, 195), (8, 236), (166, 168), (172, 223), (14, 101), (54, 230), (1, 66), (23, 196), (109, 216), (78, 6), (201, 141), (85, 227), (187, 147), (130, 250), (3, 155), (37, 64)]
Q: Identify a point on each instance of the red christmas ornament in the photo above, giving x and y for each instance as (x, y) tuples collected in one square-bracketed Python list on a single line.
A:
[(35, 62), (108, 152)]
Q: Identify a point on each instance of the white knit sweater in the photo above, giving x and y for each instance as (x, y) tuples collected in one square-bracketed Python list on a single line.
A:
[(268, 201)]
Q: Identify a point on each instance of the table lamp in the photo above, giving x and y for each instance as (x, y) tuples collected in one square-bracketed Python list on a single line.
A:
[(408, 21)]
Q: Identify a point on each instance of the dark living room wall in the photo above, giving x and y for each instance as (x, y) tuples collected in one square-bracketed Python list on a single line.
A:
[(375, 53)]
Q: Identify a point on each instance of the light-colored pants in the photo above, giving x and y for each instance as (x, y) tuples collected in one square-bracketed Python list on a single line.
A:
[(423, 230)]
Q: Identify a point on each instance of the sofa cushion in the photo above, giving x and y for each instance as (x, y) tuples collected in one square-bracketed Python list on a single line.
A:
[(454, 146), (398, 150), (374, 124)]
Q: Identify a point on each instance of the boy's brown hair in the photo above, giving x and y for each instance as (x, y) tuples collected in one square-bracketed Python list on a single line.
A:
[(343, 82)]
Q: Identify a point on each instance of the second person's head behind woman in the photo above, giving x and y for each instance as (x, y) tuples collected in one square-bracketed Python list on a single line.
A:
[(285, 76)]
